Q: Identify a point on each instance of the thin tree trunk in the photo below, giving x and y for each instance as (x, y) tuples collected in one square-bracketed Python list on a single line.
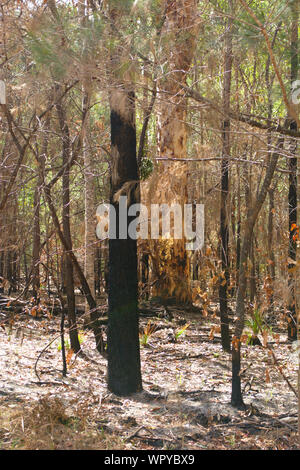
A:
[(89, 185), (252, 273), (35, 269), (89, 219), (36, 242), (85, 287), (68, 274), (67, 271), (224, 211), (236, 393), (292, 197), (269, 82), (271, 261), (238, 228)]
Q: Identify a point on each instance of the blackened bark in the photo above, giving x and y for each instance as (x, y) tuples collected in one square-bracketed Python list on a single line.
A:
[(238, 229), (36, 243), (145, 274), (236, 394), (292, 197), (124, 370), (224, 226), (62, 340), (224, 233)]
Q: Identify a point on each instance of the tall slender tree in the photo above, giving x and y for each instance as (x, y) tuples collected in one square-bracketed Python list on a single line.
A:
[(236, 394), (292, 196), (224, 211), (89, 179), (68, 272)]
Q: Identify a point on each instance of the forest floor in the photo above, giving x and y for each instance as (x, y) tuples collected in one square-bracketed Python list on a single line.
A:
[(185, 403)]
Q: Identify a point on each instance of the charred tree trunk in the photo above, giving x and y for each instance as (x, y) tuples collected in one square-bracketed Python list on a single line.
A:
[(238, 228), (224, 225), (123, 346), (36, 243), (292, 197), (124, 372)]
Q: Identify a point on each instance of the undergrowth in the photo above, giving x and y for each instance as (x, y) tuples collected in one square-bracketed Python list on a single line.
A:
[(47, 424)]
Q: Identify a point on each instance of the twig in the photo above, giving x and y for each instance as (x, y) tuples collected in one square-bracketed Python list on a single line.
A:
[(40, 354), (134, 433)]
